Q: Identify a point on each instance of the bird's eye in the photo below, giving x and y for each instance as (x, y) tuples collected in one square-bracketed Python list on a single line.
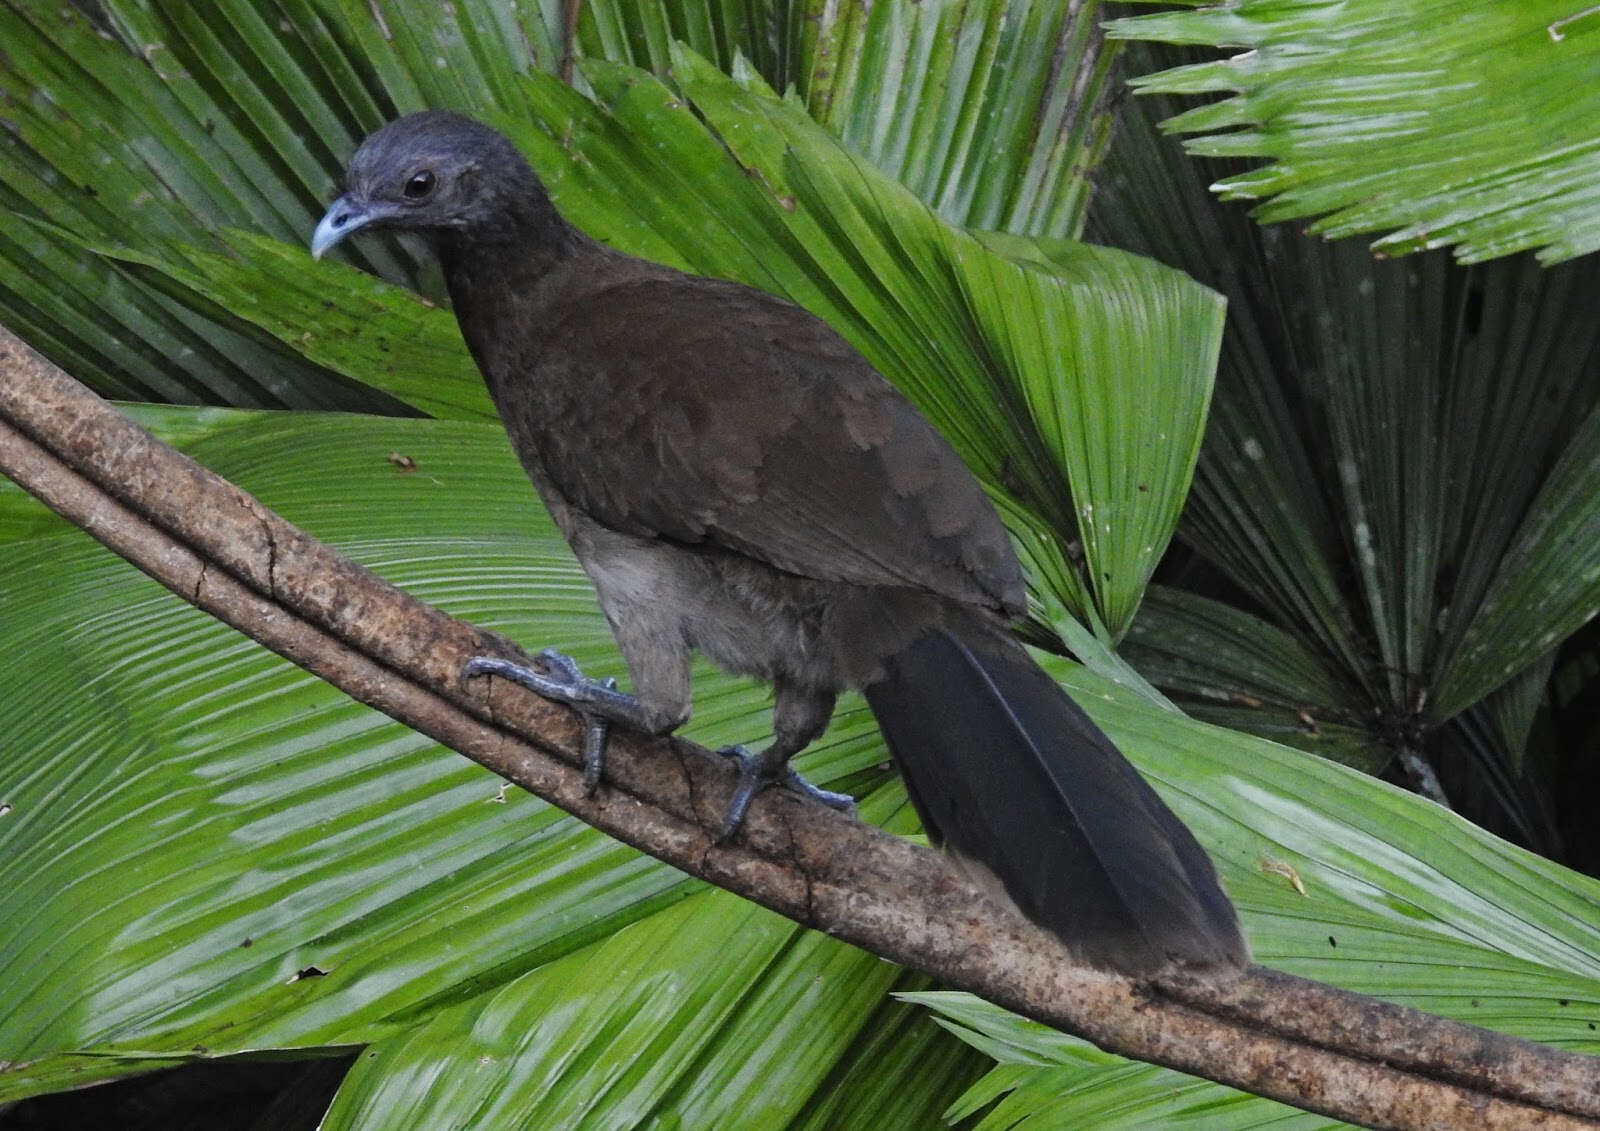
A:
[(419, 186)]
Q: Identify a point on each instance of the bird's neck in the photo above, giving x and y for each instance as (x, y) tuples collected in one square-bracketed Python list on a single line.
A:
[(515, 251), (503, 278)]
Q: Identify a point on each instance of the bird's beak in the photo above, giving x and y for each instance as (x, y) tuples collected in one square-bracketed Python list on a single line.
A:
[(344, 216)]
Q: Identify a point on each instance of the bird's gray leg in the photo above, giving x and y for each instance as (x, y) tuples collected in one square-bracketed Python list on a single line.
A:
[(799, 715), (563, 681), (659, 706), (598, 701)]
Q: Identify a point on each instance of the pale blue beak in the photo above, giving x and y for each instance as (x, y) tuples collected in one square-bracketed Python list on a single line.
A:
[(344, 216)]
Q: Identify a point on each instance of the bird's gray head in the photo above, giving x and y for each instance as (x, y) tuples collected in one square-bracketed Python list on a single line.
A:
[(437, 173)]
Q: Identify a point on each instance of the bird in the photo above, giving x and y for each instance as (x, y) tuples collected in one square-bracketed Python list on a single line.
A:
[(738, 481)]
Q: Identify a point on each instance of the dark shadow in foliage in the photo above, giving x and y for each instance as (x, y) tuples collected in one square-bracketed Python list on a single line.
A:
[(222, 1095)]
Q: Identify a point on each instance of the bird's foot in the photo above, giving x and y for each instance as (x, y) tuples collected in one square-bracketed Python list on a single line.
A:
[(597, 700), (756, 772)]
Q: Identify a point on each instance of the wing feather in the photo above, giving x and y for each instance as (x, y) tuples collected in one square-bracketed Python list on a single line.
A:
[(709, 413)]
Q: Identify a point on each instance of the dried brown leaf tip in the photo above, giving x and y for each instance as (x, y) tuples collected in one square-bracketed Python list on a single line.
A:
[(1273, 867)]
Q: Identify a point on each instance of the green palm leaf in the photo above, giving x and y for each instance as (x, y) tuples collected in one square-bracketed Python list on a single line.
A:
[(991, 112), (1443, 124), (1046, 1079), (165, 124), (1235, 669), (711, 972), (1397, 463), (1548, 583), (355, 327)]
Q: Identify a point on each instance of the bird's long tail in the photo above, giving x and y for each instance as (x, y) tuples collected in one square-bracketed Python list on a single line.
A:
[(1009, 773)]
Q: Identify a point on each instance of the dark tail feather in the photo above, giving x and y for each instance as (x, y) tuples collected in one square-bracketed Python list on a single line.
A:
[(1006, 770)]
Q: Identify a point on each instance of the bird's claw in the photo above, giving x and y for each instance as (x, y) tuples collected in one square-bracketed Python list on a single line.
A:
[(756, 774), (562, 666), (595, 729), (564, 682)]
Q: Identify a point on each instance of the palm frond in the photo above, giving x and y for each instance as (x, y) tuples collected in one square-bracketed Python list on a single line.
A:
[(1397, 465), (162, 125), (1439, 123)]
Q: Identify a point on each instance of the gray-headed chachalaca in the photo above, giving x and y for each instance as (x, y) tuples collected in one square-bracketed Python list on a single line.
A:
[(737, 480)]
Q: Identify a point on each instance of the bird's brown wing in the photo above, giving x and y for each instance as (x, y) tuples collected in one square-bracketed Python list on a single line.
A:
[(708, 413)]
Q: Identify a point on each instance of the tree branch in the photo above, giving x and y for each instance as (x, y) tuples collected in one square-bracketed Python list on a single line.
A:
[(1319, 1048)]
